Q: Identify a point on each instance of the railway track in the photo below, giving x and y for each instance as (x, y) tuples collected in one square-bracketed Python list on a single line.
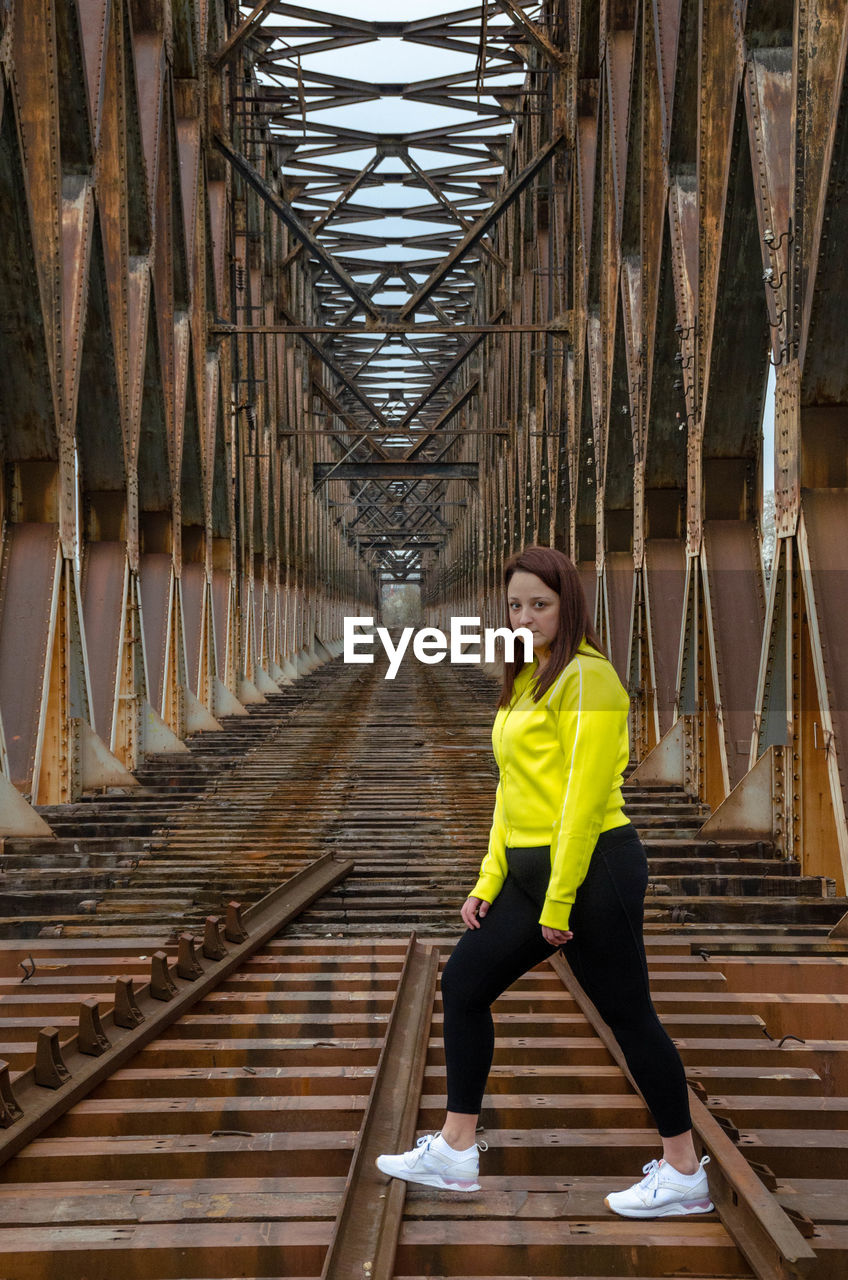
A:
[(232, 1132)]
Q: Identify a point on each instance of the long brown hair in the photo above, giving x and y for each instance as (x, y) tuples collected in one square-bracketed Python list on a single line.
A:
[(559, 574)]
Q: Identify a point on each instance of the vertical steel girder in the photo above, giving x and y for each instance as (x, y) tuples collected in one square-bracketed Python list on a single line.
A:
[(143, 497)]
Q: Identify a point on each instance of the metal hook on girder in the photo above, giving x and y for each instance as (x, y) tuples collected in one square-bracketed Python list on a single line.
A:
[(28, 973), (769, 280), (774, 245)]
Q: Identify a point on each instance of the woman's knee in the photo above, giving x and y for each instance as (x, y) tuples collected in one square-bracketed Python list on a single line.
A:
[(452, 984), (632, 1024), (460, 985)]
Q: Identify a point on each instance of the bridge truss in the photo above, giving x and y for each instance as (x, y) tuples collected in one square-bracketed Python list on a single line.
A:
[(262, 354)]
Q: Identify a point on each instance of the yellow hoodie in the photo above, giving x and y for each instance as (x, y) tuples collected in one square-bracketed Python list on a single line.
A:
[(561, 762)]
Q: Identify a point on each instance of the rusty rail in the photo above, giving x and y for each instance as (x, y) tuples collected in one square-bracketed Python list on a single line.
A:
[(369, 1219), (251, 1125), (761, 1229)]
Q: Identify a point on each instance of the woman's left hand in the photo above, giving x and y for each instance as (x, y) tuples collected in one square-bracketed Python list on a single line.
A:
[(556, 937)]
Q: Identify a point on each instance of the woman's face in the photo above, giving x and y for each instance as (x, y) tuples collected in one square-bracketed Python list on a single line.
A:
[(533, 605)]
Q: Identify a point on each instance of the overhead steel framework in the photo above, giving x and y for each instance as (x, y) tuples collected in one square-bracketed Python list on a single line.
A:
[(398, 224), (293, 304)]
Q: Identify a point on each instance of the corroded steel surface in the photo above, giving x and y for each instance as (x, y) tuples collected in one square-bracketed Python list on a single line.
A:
[(248, 1110), (265, 352)]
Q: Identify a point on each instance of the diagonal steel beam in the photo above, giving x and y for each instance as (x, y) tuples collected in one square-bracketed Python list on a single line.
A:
[(327, 475), (364, 513), (374, 288), (482, 225), (396, 509), (336, 21), (538, 37), (462, 399), (385, 513), (238, 37), (447, 373), (370, 356), (333, 405), (334, 207), (419, 355), (339, 372), (287, 215), (436, 191)]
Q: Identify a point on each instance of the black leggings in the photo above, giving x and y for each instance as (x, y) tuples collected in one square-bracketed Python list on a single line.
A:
[(606, 956)]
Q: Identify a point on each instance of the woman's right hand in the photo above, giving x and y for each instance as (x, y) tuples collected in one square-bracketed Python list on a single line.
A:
[(473, 911)]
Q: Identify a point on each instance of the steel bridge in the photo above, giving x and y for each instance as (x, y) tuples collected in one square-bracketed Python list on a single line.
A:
[(296, 306)]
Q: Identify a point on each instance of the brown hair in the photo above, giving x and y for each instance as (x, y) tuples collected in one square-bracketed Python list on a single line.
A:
[(559, 574)]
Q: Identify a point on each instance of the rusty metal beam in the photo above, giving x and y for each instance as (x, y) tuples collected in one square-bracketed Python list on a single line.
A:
[(368, 1223), (347, 382), (234, 42), (396, 470), (437, 192), (763, 1232), (333, 405), (223, 330), (445, 416), (286, 214), (444, 376), (351, 187), (537, 36), (483, 224)]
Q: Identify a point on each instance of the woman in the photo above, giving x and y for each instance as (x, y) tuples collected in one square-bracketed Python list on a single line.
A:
[(564, 868)]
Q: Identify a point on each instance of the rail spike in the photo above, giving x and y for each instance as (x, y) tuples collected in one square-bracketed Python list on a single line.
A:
[(10, 1111), (188, 966), (91, 1039), (126, 1012), (727, 1125), (213, 939), (234, 930), (162, 985), (50, 1069), (765, 1174)]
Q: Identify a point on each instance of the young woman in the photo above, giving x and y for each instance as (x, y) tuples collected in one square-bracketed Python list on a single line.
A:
[(564, 868)]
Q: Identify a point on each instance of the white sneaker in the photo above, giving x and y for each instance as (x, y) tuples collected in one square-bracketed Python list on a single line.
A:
[(663, 1193), (434, 1164)]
